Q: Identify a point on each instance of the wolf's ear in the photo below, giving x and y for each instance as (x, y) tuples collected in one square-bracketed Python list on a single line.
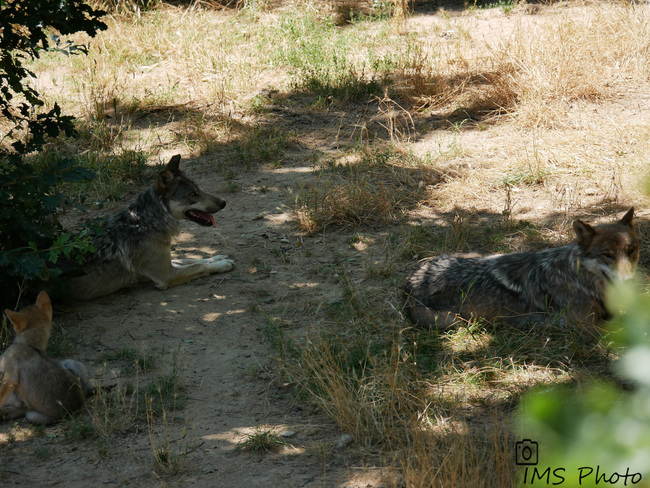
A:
[(174, 164), (162, 182), (627, 218), (44, 304), (166, 176), (584, 232), (18, 320)]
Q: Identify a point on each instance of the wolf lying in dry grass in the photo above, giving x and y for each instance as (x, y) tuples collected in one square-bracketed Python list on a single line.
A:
[(34, 385), (566, 282)]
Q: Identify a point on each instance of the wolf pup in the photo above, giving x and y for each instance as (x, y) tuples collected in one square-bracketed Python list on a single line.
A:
[(33, 385), (136, 243), (566, 282)]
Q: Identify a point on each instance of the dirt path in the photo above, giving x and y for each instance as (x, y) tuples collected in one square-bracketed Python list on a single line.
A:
[(213, 330)]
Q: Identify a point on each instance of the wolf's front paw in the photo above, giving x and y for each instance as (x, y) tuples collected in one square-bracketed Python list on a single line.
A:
[(222, 265), (218, 257)]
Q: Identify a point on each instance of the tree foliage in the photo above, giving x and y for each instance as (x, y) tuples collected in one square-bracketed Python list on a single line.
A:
[(30, 237)]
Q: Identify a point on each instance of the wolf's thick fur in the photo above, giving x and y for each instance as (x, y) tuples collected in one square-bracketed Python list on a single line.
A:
[(136, 242), (566, 282), (34, 385)]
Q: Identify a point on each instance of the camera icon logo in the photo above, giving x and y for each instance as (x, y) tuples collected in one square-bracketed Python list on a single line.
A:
[(526, 452)]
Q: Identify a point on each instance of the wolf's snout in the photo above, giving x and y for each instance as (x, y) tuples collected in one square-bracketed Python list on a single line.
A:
[(625, 271)]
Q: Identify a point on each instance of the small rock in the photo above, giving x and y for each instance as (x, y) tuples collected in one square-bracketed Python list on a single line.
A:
[(343, 441), (288, 433)]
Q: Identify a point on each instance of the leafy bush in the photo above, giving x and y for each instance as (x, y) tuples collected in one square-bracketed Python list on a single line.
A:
[(601, 434), (29, 198)]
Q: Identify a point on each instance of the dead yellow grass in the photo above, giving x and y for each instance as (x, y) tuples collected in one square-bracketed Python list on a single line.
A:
[(583, 58), (460, 455), (367, 187), (181, 62), (384, 405), (375, 405), (535, 73)]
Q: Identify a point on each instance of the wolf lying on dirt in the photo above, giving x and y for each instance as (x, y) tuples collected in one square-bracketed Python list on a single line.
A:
[(136, 243), (34, 385), (566, 282)]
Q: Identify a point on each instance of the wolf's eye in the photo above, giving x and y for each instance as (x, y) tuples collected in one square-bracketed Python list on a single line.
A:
[(192, 194), (608, 255)]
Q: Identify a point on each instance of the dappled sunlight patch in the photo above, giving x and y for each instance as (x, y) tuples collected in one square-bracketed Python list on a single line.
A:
[(528, 375), (185, 241), (212, 316), (236, 312), (279, 219), (360, 246), (17, 433), (361, 243), (480, 384), (465, 340), (368, 476), (289, 170), (258, 439), (450, 397), (304, 285)]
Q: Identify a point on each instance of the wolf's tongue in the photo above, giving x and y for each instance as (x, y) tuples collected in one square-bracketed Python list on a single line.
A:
[(202, 218)]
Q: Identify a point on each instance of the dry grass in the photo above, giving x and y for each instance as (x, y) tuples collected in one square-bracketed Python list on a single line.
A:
[(115, 411), (171, 455), (577, 59), (461, 455), (367, 187), (375, 403), (536, 73), (183, 68), (383, 403), (436, 407)]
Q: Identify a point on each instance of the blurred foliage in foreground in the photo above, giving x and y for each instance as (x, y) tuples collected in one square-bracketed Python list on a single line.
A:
[(599, 435)]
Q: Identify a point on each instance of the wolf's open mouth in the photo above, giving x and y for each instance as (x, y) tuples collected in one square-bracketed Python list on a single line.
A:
[(201, 218)]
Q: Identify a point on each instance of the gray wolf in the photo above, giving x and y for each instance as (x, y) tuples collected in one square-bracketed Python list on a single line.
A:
[(33, 385), (135, 245), (563, 283)]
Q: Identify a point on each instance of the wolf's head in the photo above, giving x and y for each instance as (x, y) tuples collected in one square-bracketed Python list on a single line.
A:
[(33, 323), (612, 249), (183, 197)]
